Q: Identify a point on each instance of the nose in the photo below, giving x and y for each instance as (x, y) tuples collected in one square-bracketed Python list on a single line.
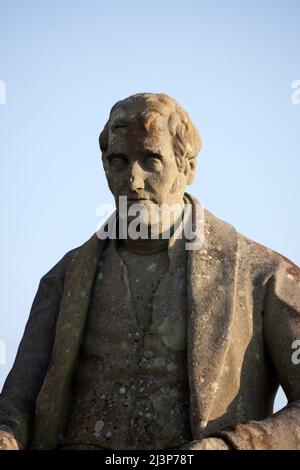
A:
[(136, 178)]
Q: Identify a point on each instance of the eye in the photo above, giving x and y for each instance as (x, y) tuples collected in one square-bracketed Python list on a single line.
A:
[(153, 163), (117, 161)]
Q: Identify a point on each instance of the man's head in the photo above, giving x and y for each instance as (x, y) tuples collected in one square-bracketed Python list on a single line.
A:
[(149, 147)]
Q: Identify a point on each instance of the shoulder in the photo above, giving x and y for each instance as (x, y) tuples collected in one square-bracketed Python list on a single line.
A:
[(277, 274), (261, 255), (251, 253)]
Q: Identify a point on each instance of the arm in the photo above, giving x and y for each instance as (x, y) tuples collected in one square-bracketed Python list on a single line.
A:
[(281, 327), (17, 400)]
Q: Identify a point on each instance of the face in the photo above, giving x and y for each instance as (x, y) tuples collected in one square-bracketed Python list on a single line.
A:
[(141, 165)]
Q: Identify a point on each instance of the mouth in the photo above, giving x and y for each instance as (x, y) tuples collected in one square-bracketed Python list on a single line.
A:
[(137, 199)]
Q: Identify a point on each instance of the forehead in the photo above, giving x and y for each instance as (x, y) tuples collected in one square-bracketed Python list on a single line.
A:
[(126, 133)]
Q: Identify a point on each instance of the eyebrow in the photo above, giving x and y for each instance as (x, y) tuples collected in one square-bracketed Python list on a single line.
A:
[(149, 154)]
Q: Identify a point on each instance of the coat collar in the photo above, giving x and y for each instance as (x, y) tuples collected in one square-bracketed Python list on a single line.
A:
[(210, 302), (51, 407)]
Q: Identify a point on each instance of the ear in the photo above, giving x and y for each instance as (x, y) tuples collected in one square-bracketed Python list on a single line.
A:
[(190, 170)]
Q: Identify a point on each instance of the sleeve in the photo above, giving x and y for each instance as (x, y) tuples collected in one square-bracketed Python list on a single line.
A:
[(281, 329), (20, 390)]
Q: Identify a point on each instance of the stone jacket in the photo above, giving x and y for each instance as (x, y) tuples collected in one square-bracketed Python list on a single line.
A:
[(243, 317)]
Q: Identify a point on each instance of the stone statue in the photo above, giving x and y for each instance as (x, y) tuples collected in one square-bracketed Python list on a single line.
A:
[(140, 343)]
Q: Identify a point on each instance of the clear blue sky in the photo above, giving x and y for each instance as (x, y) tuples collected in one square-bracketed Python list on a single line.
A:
[(65, 63)]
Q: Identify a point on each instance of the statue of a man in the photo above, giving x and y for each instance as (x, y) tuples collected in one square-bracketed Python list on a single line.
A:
[(136, 342)]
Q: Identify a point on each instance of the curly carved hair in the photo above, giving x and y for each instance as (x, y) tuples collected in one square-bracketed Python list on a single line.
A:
[(144, 107)]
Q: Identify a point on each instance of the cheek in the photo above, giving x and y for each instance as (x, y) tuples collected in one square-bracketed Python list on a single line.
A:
[(168, 182), (179, 183), (175, 186), (156, 183), (162, 181), (116, 182)]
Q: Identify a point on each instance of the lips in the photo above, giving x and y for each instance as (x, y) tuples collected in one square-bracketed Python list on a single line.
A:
[(133, 196), (137, 199)]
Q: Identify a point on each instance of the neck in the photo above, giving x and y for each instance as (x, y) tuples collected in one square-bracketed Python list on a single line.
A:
[(145, 247)]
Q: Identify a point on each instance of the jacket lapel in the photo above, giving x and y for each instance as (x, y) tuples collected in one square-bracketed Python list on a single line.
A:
[(211, 291), (51, 408)]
